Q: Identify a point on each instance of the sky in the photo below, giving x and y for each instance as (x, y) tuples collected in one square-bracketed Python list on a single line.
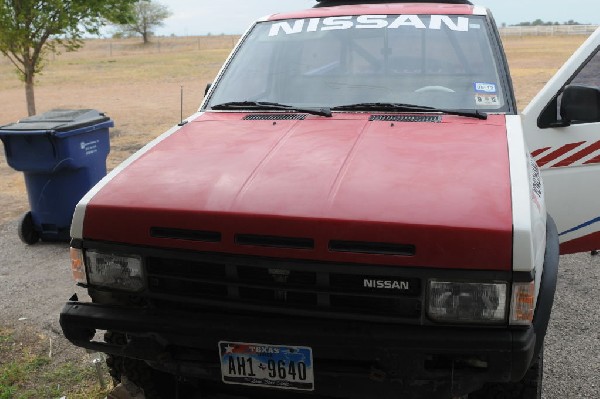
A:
[(200, 17)]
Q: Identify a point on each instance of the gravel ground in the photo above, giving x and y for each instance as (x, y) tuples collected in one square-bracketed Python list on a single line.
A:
[(35, 281), (572, 351)]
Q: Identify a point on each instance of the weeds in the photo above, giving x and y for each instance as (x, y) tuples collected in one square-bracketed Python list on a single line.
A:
[(27, 373)]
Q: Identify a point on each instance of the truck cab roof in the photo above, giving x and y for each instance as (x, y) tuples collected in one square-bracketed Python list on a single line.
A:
[(335, 8), (330, 3)]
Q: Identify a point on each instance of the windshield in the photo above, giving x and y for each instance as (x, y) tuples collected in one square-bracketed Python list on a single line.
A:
[(438, 61)]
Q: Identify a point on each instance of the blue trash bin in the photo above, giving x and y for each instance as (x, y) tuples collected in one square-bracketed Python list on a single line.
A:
[(62, 154)]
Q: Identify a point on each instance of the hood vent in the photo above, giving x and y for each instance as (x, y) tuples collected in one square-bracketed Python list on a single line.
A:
[(188, 235), (276, 242), (407, 118), (373, 248), (274, 117)]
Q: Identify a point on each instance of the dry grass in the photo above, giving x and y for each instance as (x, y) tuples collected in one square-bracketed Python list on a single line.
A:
[(139, 87), (534, 60), (28, 372)]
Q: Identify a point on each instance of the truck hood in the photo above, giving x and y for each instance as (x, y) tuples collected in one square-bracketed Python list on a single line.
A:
[(344, 189)]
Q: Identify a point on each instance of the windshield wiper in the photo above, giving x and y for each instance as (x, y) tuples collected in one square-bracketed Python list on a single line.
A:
[(264, 105), (400, 107)]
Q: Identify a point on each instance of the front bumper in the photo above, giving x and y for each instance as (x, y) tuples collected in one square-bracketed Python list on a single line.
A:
[(352, 359)]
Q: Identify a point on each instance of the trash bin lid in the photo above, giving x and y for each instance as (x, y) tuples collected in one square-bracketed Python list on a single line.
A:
[(58, 120)]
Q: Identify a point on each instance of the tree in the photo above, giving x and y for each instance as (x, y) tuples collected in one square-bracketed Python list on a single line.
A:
[(147, 16), (30, 30), (539, 22)]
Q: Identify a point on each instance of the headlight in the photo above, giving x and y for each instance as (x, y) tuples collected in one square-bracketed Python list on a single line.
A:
[(457, 302), (121, 272)]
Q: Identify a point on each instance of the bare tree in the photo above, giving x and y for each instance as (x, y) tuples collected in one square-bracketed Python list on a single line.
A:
[(148, 15)]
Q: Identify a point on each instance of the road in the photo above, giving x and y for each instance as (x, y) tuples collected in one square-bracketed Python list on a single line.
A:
[(35, 281)]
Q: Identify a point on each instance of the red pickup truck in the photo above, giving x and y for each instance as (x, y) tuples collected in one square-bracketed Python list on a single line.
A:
[(357, 210)]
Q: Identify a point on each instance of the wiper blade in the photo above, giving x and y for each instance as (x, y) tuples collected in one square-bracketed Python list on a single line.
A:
[(400, 107), (382, 106), (265, 105)]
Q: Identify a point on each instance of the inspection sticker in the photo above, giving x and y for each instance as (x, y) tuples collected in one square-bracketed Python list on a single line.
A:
[(486, 99), (485, 88)]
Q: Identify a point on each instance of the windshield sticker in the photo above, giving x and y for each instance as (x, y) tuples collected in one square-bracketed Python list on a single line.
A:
[(436, 22), (484, 100), (485, 88)]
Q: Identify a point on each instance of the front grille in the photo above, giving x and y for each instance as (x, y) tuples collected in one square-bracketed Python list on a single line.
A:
[(285, 287)]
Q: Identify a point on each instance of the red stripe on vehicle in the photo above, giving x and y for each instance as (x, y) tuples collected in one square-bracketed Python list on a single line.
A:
[(558, 153), (578, 155), (539, 151), (593, 160), (582, 244)]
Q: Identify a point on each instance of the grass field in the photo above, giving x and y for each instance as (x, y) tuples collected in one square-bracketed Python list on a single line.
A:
[(139, 87)]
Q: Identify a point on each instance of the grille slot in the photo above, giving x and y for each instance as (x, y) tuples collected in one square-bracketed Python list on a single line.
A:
[(374, 248), (274, 241), (375, 305), (407, 118), (274, 117), (261, 275), (188, 235), (289, 288)]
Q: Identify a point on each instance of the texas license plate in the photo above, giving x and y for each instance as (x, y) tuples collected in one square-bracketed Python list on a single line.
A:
[(276, 366)]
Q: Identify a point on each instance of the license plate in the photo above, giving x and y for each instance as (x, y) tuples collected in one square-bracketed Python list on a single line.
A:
[(276, 366)]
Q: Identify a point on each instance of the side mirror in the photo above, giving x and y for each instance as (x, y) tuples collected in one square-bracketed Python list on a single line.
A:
[(580, 104), (208, 86)]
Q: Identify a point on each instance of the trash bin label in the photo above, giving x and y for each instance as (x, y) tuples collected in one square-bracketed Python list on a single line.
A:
[(90, 147)]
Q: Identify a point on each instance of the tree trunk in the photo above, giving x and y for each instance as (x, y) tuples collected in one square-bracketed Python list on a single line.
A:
[(145, 36), (29, 93)]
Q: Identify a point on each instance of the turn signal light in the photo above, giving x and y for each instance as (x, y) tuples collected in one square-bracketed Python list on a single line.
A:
[(77, 266), (522, 307)]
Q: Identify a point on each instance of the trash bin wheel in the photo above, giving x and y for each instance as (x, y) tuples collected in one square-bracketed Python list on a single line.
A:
[(27, 232)]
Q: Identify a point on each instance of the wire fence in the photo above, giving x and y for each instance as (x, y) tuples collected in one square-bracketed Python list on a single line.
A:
[(132, 46), (112, 48), (549, 30)]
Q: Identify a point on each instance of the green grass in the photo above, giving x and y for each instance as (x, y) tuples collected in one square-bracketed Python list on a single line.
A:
[(28, 373)]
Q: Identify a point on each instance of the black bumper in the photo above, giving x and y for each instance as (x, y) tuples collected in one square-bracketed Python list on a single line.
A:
[(351, 359)]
